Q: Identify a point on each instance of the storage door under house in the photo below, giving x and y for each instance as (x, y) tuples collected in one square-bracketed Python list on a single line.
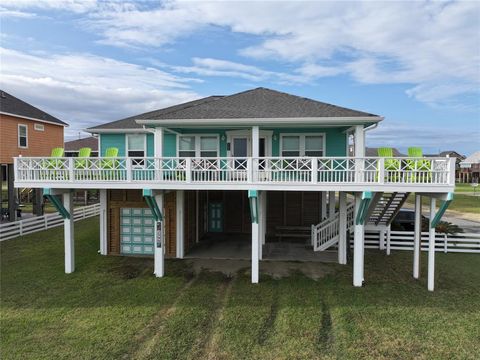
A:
[(137, 232), (215, 217)]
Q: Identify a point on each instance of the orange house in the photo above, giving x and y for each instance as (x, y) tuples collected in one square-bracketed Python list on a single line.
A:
[(24, 131)]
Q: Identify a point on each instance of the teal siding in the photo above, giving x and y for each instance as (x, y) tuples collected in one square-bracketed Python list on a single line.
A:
[(335, 139), (169, 145), (112, 140), (150, 145)]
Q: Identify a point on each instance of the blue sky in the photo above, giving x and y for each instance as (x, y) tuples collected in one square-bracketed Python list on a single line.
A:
[(415, 63)]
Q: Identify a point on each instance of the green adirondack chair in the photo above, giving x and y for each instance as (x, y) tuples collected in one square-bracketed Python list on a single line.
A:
[(81, 162), (420, 166), (111, 152), (393, 166), (53, 162)]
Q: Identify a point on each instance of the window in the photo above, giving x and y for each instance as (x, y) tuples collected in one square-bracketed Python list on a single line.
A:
[(208, 146), (22, 136), (198, 146), (314, 145), (38, 127), (136, 148), (302, 145), (186, 146)]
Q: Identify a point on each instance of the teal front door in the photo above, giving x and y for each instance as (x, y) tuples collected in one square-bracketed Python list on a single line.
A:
[(215, 217)]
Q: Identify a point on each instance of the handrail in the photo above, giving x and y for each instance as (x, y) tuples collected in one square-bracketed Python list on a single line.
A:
[(258, 170)]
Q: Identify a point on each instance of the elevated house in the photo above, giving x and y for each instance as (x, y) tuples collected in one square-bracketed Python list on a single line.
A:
[(25, 130), (72, 147), (255, 163), (470, 168)]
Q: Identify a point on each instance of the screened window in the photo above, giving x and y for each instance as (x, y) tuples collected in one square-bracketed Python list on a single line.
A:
[(136, 148), (22, 136), (291, 146), (302, 145), (186, 146), (313, 146), (208, 146), (198, 146)]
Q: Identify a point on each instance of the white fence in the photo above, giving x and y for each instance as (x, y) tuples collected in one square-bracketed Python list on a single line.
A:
[(39, 223), (403, 240)]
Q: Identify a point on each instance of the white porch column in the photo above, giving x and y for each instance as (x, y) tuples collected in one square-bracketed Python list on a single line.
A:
[(359, 141), (255, 141), (431, 247), (255, 252), (388, 240), (180, 223), (103, 222), (159, 252), (331, 204), (342, 226), (158, 140), (358, 246), (417, 242), (323, 205), (68, 225), (381, 244)]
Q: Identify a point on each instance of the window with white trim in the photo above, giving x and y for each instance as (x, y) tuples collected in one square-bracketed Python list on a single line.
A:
[(22, 136), (198, 146), (302, 145), (39, 127), (136, 148)]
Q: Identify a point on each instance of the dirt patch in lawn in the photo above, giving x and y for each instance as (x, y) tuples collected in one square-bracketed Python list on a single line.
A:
[(276, 269)]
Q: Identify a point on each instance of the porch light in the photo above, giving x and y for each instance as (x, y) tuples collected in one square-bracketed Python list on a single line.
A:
[(253, 198)]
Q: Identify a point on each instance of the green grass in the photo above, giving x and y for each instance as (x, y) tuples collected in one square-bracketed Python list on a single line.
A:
[(461, 203), (114, 308), (466, 188)]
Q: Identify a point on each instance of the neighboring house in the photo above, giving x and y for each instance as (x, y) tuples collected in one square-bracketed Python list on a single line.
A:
[(260, 163), (72, 147), (25, 131), (458, 159), (470, 168), (373, 152)]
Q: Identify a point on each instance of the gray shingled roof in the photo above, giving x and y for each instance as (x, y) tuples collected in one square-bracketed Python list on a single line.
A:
[(129, 122), (12, 105), (255, 103), (75, 145)]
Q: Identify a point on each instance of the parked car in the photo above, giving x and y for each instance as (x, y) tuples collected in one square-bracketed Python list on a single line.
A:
[(405, 220)]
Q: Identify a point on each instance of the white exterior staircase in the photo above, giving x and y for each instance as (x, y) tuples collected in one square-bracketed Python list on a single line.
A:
[(383, 210)]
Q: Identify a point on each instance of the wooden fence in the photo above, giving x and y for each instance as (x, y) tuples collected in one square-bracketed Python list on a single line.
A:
[(39, 223)]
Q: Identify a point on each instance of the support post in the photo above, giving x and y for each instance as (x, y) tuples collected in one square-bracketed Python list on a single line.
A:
[(358, 246), (342, 226), (359, 153), (103, 222), (381, 244), (431, 247), (12, 194), (159, 252), (331, 204), (38, 202), (68, 224), (323, 205), (255, 253), (180, 223), (388, 239), (417, 242)]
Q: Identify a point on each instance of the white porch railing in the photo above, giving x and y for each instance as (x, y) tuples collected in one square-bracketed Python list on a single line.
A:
[(403, 240), (13, 229), (268, 170), (326, 232)]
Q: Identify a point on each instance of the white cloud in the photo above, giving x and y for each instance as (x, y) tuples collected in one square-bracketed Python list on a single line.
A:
[(84, 90), (424, 44), (224, 68), (76, 6)]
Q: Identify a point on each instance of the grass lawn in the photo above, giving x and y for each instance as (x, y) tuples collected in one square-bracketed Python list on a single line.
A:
[(114, 308), (466, 188), (464, 204)]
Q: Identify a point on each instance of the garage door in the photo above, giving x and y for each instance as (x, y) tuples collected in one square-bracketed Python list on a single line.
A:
[(136, 231)]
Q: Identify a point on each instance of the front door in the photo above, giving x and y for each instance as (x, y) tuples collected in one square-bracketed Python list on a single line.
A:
[(240, 151), (215, 217)]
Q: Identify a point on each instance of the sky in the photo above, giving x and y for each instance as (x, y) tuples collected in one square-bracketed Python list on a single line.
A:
[(89, 62)]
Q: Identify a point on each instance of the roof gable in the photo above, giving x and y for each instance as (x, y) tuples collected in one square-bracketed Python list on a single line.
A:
[(11, 105)]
